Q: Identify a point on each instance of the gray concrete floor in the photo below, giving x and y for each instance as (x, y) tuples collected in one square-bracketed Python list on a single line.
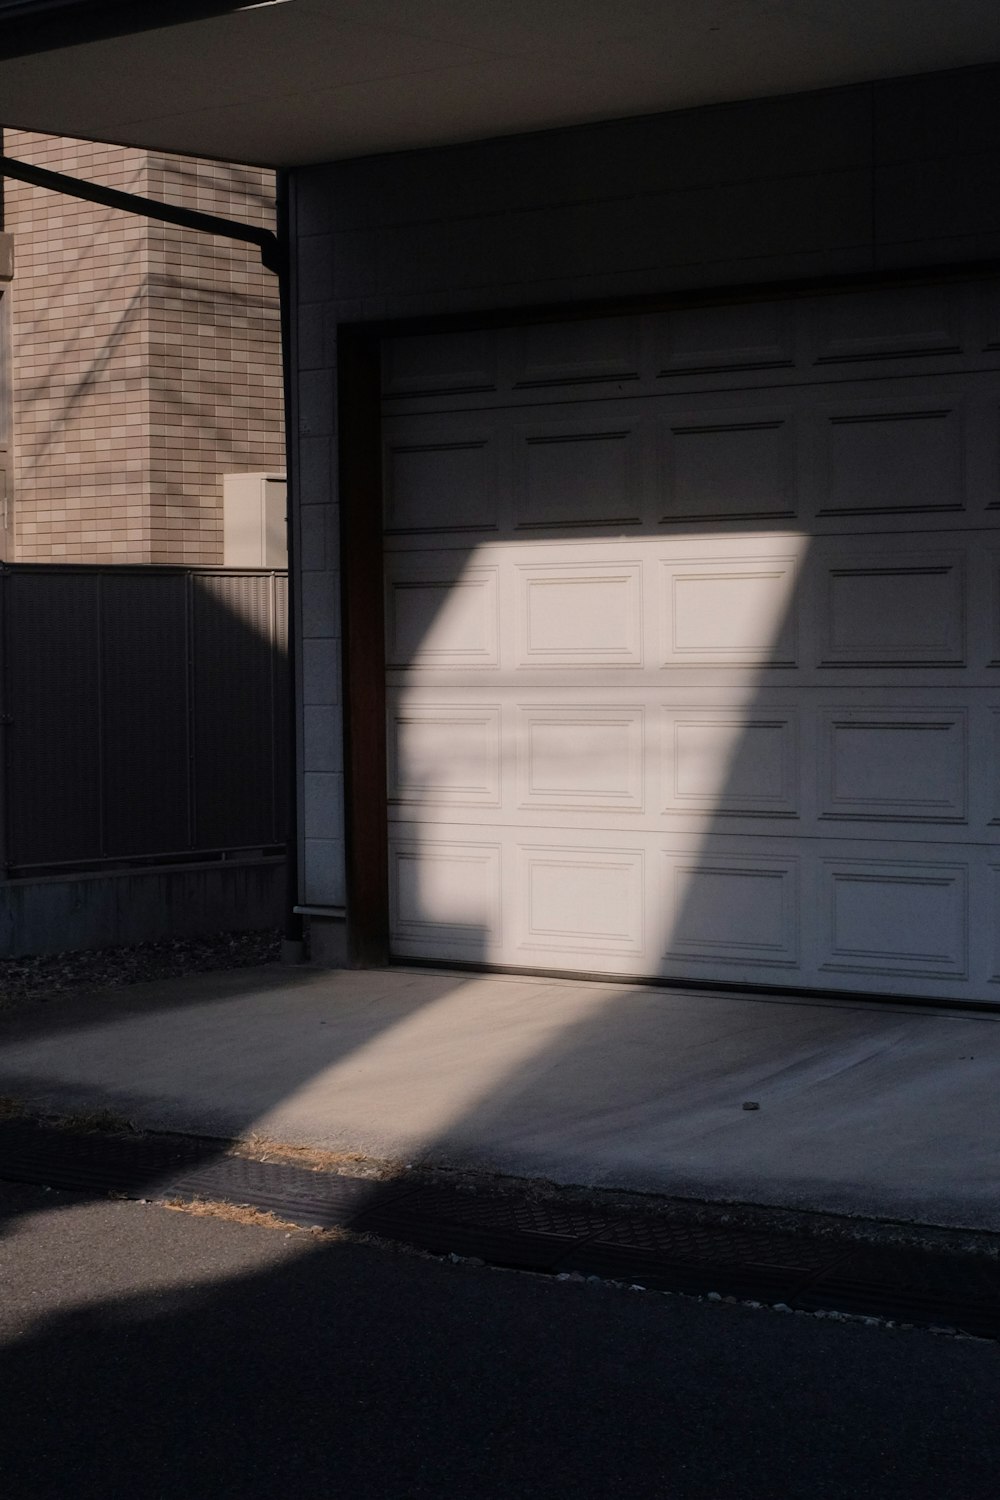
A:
[(875, 1109)]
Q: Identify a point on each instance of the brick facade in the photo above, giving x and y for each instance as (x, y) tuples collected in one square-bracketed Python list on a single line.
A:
[(145, 359)]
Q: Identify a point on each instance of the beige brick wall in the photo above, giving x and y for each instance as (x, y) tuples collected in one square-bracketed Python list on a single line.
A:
[(145, 359)]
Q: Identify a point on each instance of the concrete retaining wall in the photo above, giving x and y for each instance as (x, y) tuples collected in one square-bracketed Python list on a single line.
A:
[(64, 913)]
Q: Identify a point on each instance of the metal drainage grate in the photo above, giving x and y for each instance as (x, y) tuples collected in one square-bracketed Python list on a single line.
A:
[(660, 1250)]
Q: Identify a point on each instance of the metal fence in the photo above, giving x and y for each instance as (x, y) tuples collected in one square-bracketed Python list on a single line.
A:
[(143, 714)]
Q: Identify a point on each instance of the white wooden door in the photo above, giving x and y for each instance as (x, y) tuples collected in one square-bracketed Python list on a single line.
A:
[(693, 643)]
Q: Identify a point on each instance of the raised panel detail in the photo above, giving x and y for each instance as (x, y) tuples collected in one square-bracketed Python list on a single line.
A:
[(730, 613), (879, 462), (994, 910), (994, 765), (581, 900), (577, 353), (440, 362), (886, 324), (580, 757), (728, 909), (439, 486), (895, 764), (445, 754), (573, 475), (896, 612), (723, 470), (896, 918), (443, 622), (445, 893), (580, 615), (989, 303), (730, 762), (994, 567), (758, 336)]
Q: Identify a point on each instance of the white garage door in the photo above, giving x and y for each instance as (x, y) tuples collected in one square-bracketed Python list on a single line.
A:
[(693, 643)]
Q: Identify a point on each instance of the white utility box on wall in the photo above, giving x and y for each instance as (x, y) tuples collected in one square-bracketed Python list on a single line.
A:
[(253, 525)]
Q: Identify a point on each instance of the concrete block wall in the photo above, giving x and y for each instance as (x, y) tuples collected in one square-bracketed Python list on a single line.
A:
[(146, 360), (884, 175)]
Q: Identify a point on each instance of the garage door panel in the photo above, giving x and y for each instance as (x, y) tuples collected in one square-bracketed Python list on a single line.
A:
[(727, 762), (440, 363), (901, 334), (889, 456), (841, 457), (577, 353), (988, 764), (713, 341), (580, 616), (902, 917), (882, 609), (581, 899), (889, 322), (730, 611), (893, 764), (579, 474), (444, 754), (987, 323), (725, 909), (444, 896), (440, 476), (580, 758), (718, 694), (990, 923), (988, 612), (441, 613), (730, 465)]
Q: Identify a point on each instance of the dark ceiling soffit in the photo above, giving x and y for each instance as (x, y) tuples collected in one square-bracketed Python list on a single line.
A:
[(131, 203), (30, 26)]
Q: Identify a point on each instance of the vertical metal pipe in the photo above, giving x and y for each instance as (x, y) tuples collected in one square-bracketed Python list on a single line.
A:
[(292, 932)]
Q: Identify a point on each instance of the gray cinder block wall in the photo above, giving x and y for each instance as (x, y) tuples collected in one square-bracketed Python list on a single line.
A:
[(886, 175)]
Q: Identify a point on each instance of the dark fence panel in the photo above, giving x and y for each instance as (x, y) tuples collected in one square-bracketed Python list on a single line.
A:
[(144, 676), (234, 776), (282, 710), (145, 714), (52, 705)]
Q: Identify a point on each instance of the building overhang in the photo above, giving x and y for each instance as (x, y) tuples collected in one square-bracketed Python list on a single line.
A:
[(293, 82)]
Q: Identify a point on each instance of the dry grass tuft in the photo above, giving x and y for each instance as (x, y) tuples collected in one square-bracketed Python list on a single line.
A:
[(347, 1163), (242, 1213)]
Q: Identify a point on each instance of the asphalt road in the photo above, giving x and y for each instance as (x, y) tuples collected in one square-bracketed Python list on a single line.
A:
[(147, 1353)]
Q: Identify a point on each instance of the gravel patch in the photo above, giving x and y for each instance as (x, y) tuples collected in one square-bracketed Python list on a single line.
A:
[(52, 974)]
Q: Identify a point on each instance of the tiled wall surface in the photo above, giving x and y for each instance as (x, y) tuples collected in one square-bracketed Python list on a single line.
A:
[(146, 359), (884, 175), (213, 355)]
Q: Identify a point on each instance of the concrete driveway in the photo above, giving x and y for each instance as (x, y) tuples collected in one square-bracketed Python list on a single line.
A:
[(874, 1109)]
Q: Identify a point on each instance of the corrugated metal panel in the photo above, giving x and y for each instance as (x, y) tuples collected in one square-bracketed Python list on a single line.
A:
[(54, 739), (149, 713), (232, 684), (144, 702)]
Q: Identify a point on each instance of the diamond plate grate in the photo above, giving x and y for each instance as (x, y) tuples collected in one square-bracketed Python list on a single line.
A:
[(718, 1244), (654, 1250)]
